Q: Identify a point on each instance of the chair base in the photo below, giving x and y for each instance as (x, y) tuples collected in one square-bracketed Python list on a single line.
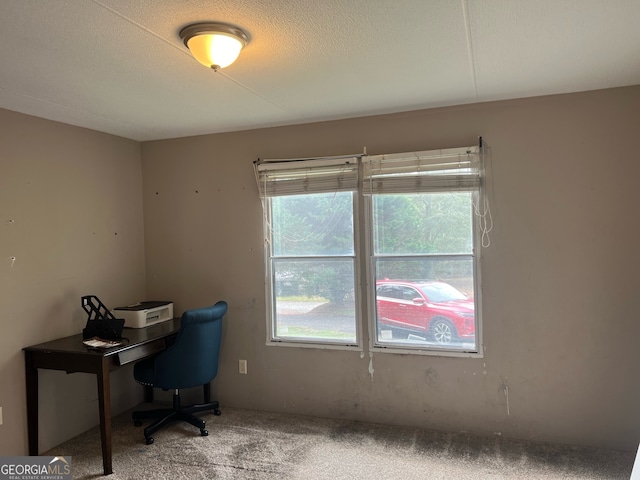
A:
[(177, 413)]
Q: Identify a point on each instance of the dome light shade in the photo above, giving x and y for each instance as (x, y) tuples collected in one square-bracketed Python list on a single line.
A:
[(214, 45)]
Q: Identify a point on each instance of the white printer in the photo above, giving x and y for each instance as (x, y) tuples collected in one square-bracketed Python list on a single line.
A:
[(143, 314)]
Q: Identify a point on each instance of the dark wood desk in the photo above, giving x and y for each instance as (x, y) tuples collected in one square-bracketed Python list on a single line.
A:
[(70, 355)]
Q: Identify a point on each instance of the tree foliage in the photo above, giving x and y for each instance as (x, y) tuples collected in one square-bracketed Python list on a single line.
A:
[(321, 225)]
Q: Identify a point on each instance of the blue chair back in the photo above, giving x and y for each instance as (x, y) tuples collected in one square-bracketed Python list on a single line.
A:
[(192, 360)]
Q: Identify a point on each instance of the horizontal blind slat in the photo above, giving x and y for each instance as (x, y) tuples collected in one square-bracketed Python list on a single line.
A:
[(312, 176), (455, 169)]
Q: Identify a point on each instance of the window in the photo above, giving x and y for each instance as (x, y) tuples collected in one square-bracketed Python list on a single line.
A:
[(423, 248), (423, 251), (311, 250), (420, 234)]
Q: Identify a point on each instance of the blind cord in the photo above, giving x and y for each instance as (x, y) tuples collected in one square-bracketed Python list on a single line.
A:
[(481, 206)]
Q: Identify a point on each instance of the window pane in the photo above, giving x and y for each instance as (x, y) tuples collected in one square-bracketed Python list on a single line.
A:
[(426, 302), (423, 223), (315, 225), (457, 271), (314, 300), (424, 266)]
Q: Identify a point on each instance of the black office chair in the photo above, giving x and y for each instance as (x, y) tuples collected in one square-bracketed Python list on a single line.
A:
[(191, 361)]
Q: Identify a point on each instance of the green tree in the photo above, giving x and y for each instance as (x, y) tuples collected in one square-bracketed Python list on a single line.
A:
[(314, 225)]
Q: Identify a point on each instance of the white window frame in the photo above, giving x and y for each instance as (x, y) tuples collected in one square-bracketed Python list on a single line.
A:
[(365, 285), (296, 177), (422, 172), (374, 346)]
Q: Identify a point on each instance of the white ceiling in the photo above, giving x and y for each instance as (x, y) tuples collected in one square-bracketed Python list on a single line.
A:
[(119, 66)]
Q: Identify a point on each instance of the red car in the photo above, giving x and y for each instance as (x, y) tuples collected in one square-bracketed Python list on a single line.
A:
[(431, 309)]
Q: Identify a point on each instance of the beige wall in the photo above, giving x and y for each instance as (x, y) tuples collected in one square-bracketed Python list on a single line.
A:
[(560, 279), (71, 215)]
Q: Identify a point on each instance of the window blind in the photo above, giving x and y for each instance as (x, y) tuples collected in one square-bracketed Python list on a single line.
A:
[(300, 176), (453, 169)]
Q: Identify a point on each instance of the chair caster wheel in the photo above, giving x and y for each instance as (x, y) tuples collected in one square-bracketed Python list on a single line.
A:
[(149, 440), (137, 422), (204, 433), (217, 412)]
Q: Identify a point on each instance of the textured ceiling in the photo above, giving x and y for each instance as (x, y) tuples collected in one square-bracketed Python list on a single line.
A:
[(119, 66)]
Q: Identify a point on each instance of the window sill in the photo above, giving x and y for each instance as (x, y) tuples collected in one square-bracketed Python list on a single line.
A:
[(320, 346), (431, 352)]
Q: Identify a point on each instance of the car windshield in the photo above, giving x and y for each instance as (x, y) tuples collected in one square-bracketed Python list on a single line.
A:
[(441, 292)]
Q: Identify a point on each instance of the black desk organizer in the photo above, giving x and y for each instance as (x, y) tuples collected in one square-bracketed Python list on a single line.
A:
[(101, 322)]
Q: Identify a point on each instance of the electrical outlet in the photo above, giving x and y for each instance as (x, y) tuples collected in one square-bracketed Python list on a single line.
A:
[(242, 367)]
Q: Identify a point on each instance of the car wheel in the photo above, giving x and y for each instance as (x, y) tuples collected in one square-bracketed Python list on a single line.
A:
[(443, 331)]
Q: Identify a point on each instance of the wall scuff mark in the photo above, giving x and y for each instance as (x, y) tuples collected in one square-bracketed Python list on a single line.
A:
[(505, 389), (506, 393), (431, 377), (371, 365)]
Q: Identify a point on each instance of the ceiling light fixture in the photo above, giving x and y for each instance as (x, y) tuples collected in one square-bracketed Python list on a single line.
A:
[(214, 45)]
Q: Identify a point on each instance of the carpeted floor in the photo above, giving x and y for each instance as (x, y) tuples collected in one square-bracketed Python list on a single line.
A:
[(245, 444)]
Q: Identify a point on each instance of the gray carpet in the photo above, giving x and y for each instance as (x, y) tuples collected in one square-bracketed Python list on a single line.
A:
[(245, 444)]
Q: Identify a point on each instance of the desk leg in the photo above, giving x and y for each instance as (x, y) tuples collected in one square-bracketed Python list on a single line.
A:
[(104, 400), (32, 403)]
